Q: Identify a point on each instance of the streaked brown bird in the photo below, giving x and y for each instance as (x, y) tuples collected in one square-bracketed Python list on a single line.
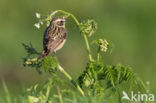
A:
[(54, 36)]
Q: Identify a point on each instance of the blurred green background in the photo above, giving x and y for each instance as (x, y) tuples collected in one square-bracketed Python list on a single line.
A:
[(130, 25)]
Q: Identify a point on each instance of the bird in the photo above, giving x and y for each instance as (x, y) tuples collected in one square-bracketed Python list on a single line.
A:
[(54, 36)]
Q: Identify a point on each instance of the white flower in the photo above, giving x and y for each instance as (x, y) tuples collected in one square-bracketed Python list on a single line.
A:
[(37, 25), (38, 15), (103, 45)]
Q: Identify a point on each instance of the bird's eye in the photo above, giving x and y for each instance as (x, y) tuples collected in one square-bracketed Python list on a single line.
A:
[(60, 23)]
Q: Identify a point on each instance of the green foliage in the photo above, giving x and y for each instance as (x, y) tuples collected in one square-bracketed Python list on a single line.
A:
[(51, 92), (45, 94), (47, 64), (98, 77), (99, 83), (29, 49), (98, 80)]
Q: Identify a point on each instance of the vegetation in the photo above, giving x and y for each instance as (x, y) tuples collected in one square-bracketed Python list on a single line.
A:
[(99, 83)]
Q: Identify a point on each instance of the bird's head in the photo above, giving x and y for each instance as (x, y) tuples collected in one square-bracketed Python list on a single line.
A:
[(58, 21)]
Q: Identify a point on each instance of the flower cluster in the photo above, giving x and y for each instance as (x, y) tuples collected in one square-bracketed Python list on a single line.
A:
[(31, 61), (38, 16), (88, 28), (103, 44)]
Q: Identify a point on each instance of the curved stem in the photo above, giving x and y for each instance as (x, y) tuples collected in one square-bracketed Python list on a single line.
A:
[(61, 11), (70, 78), (84, 36)]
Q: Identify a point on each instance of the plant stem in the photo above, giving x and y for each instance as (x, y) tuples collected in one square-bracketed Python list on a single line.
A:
[(98, 54), (59, 95), (61, 11), (88, 47), (84, 36), (70, 78)]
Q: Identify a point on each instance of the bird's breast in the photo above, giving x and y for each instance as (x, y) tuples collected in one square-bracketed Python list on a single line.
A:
[(61, 45)]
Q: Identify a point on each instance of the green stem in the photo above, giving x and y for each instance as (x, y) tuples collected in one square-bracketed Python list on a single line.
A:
[(84, 36), (70, 78), (59, 95), (88, 47), (61, 11), (98, 54)]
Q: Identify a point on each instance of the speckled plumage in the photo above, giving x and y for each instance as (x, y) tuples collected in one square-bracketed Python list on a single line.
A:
[(54, 36)]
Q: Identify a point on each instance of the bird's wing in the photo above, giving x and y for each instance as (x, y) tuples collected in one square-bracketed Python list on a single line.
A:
[(54, 43), (48, 36), (53, 38)]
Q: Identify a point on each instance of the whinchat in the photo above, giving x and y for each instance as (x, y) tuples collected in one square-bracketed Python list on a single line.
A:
[(54, 36)]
